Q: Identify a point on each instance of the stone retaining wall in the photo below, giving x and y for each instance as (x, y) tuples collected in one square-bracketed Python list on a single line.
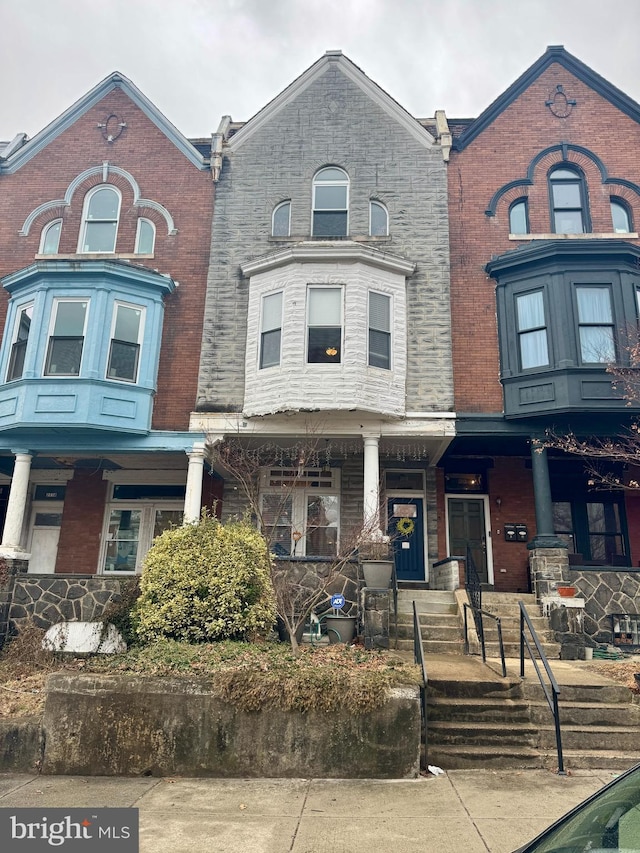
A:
[(605, 593)]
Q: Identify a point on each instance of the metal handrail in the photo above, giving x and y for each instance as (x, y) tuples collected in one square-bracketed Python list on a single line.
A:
[(550, 696), (473, 585), (394, 590), (498, 622), (418, 657)]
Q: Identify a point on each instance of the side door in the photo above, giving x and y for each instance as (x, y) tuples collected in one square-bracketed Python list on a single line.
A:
[(468, 529)]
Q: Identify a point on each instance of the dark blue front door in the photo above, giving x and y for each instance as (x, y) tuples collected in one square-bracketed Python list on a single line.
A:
[(406, 528)]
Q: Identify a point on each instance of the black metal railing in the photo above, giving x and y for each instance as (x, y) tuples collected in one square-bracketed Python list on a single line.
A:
[(394, 593), (481, 636), (418, 656), (551, 691), (473, 586)]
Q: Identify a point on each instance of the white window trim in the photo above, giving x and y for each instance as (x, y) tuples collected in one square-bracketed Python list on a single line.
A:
[(114, 314), (85, 221), (372, 202), (308, 326), (52, 323), (261, 330), (346, 182), (150, 222), (43, 237), (148, 509), (273, 218), (391, 316)]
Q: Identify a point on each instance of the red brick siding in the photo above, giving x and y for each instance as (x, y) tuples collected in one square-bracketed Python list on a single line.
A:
[(79, 545)]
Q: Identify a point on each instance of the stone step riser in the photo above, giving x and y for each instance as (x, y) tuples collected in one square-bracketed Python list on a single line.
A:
[(486, 715), (611, 695), (622, 740), (441, 632), (489, 690), (426, 607), (434, 647), (609, 715), (512, 650), (597, 760), (465, 734), (441, 757)]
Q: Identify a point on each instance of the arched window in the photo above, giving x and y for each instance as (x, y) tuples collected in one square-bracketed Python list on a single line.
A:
[(519, 217), (100, 220), (50, 238), (330, 203), (145, 237), (281, 220), (378, 219), (568, 201), (620, 216)]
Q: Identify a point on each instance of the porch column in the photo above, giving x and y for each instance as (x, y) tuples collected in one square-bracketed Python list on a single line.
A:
[(193, 493), (545, 536), (371, 502), (17, 504)]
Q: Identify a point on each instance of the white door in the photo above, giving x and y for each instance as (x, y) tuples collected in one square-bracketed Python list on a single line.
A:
[(44, 536)]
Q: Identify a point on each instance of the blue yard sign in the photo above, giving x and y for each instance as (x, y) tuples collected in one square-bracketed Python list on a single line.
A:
[(337, 602)]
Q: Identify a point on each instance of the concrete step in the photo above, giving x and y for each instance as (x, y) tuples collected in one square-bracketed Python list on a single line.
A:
[(433, 647), (426, 619), (483, 710), (405, 605), (587, 714), (431, 632), (512, 650), (469, 732), (485, 686), (589, 738), (589, 693), (508, 598), (462, 757), (595, 759)]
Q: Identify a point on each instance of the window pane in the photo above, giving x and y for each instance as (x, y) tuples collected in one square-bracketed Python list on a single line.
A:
[(64, 356), (568, 222), (379, 349), (123, 361), (563, 175), (270, 348), (146, 237), (322, 526), (127, 324), (331, 175), (70, 318), (51, 239), (324, 345), (19, 348), (325, 306), (530, 311), (123, 535), (331, 198), (103, 204), (620, 218), (165, 519), (276, 518), (100, 237), (281, 220), (379, 220), (518, 218), (380, 312), (329, 224), (596, 344), (533, 349), (567, 195), (594, 304), (272, 312)]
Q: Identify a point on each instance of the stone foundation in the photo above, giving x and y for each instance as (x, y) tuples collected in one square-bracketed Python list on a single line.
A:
[(448, 574), (375, 615)]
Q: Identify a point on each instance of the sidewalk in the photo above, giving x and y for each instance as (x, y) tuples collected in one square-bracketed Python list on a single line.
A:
[(474, 811)]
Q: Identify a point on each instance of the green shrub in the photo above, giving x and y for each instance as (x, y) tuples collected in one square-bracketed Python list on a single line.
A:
[(206, 581)]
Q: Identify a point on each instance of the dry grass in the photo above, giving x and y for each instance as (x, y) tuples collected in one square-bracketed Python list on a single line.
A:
[(621, 671)]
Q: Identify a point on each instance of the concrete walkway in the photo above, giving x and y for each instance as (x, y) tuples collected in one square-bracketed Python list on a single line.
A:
[(474, 811)]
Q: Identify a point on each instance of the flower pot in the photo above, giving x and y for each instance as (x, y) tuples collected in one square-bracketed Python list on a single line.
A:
[(567, 591), (283, 634), (340, 629), (377, 573)]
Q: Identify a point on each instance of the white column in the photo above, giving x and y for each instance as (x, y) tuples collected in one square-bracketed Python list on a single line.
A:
[(17, 504), (193, 493), (371, 519)]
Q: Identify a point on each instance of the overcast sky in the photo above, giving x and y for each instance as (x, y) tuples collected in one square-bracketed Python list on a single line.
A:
[(200, 59)]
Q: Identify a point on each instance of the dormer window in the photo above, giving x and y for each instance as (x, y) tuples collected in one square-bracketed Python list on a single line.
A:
[(378, 219), (100, 220), (281, 220), (620, 216), (568, 200), (145, 237), (50, 238), (331, 203)]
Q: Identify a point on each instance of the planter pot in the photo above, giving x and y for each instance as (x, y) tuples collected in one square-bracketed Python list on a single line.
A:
[(283, 634), (340, 629), (567, 591), (377, 573)]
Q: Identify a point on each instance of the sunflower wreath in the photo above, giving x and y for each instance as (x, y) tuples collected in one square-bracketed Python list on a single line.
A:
[(405, 527)]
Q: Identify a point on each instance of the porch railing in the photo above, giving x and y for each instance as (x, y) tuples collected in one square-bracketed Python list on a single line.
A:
[(551, 691), (473, 586), (418, 656), (481, 636)]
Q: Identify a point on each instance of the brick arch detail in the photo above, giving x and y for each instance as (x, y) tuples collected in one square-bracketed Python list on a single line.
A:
[(104, 174)]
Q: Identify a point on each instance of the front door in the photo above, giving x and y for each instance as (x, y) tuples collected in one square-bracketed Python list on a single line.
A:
[(406, 529), (43, 541), (467, 529)]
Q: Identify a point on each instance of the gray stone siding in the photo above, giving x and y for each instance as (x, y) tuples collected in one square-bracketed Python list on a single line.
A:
[(606, 593), (331, 122)]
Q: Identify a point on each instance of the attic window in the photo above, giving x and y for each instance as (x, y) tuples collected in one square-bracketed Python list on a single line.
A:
[(330, 203), (100, 220)]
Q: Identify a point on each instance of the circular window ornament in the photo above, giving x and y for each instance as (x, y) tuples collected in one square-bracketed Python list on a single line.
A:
[(559, 104), (405, 526)]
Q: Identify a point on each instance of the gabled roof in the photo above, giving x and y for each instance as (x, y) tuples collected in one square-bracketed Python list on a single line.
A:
[(357, 76), (17, 158), (554, 53)]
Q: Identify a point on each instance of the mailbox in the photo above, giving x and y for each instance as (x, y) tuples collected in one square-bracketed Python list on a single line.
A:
[(516, 533)]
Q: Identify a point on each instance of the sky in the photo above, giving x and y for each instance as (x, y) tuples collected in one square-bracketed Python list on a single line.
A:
[(200, 59)]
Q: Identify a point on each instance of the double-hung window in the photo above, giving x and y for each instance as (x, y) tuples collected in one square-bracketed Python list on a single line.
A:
[(595, 325), (324, 324), (124, 351), (568, 202), (330, 203), (19, 346), (100, 220), (378, 219), (271, 330), (620, 216), (519, 217), (592, 529), (281, 220), (145, 237), (379, 330), (532, 330), (66, 339), (301, 511), (50, 238)]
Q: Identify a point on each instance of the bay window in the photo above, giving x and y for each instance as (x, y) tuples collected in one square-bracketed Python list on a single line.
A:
[(124, 351), (595, 325), (532, 330)]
